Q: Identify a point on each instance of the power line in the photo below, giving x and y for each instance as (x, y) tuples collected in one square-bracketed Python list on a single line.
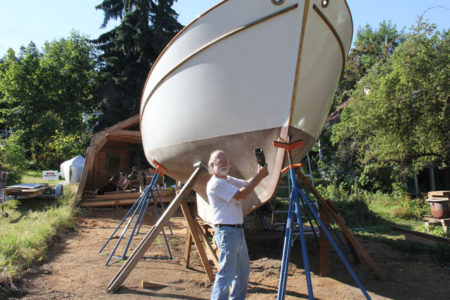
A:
[(23, 33)]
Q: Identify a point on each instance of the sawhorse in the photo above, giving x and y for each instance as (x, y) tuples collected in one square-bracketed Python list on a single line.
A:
[(179, 201)]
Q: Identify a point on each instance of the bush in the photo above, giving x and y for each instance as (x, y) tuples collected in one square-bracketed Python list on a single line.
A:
[(12, 157), (62, 147), (362, 208)]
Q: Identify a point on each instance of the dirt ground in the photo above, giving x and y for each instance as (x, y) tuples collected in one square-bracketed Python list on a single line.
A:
[(75, 270)]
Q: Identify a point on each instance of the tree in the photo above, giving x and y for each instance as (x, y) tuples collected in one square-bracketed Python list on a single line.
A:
[(371, 47), (49, 91), (129, 50), (399, 113)]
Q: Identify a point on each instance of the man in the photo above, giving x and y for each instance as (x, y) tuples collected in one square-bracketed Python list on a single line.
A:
[(225, 194)]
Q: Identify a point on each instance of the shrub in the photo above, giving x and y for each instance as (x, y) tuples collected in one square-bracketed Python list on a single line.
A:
[(12, 157), (62, 147)]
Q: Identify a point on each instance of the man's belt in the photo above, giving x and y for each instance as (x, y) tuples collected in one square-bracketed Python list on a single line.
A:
[(229, 225)]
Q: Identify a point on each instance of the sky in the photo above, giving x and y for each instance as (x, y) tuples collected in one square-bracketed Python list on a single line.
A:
[(22, 21)]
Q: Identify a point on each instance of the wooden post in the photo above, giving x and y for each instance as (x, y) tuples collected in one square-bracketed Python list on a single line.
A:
[(208, 246), (198, 243), (187, 248), (126, 269)]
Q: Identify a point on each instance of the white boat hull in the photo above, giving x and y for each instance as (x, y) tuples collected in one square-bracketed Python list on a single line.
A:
[(240, 76)]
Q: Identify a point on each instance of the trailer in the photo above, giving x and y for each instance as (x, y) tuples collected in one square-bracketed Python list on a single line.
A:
[(29, 191)]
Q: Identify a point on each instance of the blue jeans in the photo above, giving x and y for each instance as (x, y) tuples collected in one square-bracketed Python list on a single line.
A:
[(233, 263)]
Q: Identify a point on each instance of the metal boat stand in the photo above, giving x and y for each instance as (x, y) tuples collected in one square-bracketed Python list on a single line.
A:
[(138, 210), (295, 210)]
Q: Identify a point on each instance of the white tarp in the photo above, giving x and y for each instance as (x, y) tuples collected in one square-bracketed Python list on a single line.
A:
[(72, 169)]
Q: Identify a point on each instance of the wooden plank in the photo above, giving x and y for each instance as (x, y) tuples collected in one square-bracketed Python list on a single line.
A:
[(197, 241), (129, 136), (87, 170), (106, 203), (118, 202), (116, 196), (341, 223), (131, 194), (129, 265), (125, 124), (438, 194), (187, 248), (151, 285), (24, 191), (207, 245)]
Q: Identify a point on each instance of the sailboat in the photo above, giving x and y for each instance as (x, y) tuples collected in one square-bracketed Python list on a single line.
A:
[(240, 76)]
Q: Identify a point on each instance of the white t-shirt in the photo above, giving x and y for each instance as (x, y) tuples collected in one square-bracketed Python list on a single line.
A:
[(225, 209)]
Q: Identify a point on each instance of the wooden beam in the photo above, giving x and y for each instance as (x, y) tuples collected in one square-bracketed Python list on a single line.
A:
[(207, 245), (119, 202), (187, 248), (129, 195), (126, 269), (125, 124), (329, 207), (97, 141), (197, 241), (151, 285), (128, 136)]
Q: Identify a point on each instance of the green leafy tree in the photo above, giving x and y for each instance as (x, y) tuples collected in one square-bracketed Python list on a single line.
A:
[(372, 47), (12, 157), (129, 50), (64, 146), (49, 91), (399, 113)]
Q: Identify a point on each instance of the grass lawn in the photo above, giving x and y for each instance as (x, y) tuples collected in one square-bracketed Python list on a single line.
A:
[(30, 225)]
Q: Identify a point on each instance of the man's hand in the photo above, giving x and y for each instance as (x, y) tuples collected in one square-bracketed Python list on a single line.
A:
[(262, 171)]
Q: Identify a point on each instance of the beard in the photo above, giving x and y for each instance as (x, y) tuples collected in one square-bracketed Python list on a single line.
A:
[(221, 171)]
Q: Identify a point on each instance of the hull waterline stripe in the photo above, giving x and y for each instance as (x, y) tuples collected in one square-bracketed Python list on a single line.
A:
[(214, 42), (336, 35), (299, 59)]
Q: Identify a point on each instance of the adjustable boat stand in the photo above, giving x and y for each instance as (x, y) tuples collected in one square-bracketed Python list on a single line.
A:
[(295, 208), (139, 208)]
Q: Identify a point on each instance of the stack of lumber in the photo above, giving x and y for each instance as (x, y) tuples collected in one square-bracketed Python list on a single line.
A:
[(90, 199), (26, 190)]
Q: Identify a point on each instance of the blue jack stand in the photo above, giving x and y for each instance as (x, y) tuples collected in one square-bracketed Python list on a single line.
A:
[(138, 210), (295, 211)]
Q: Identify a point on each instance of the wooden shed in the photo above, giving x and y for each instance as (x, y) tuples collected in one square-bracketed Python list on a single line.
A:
[(112, 151)]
